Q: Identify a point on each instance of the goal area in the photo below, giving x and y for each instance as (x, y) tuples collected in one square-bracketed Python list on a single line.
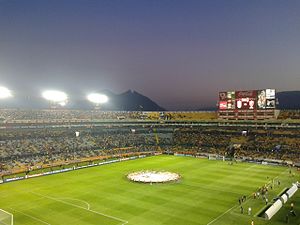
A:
[(6, 218), (216, 157)]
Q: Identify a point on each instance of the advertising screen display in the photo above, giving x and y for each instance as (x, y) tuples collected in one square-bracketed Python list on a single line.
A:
[(227, 100), (230, 95), (247, 100), (222, 96), (261, 99), (245, 103), (270, 103), (245, 94), (231, 104), (270, 93), (270, 99), (223, 105)]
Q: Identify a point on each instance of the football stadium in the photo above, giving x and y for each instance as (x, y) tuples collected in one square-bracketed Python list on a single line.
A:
[(149, 112), (237, 165)]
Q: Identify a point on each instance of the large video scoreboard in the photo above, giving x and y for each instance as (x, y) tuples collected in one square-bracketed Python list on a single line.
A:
[(253, 104)]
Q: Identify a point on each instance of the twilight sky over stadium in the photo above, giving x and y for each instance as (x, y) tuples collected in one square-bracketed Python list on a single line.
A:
[(179, 53)]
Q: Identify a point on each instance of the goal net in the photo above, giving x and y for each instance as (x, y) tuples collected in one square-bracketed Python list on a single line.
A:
[(6, 218), (216, 157)]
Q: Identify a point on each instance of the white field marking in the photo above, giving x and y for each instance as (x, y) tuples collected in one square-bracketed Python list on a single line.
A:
[(78, 200), (250, 167), (221, 215), (3, 223), (12, 216), (232, 206), (281, 173), (80, 207), (32, 217), (207, 187), (248, 197), (277, 176)]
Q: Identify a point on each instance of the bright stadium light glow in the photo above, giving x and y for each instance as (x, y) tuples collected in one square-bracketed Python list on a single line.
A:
[(55, 96), (97, 98), (62, 103), (5, 93)]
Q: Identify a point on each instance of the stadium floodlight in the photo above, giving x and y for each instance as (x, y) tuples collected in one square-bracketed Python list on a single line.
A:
[(5, 93), (55, 96), (62, 103), (97, 98)]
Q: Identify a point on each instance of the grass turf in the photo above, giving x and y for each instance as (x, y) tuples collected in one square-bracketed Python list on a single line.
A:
[(207, 194)]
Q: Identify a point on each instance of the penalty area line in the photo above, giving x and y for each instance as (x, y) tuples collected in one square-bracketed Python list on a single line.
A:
[(78, 200), (32, 217), (80, 207)]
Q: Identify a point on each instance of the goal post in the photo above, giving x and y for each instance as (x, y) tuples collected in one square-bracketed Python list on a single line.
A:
[(6, 218)]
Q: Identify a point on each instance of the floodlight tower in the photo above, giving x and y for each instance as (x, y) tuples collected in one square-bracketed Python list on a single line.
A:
[(97, 99), (5, 93), (56, 98)]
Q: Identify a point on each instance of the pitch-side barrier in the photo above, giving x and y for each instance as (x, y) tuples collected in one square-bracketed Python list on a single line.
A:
[(70, 169), (276, 206)]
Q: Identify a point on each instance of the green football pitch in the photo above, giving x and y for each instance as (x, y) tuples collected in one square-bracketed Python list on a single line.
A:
[(207, 194)]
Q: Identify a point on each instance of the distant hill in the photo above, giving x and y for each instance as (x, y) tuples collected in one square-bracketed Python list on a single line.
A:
[(127, 101), (131, 101), (288, 99), (211, 108)]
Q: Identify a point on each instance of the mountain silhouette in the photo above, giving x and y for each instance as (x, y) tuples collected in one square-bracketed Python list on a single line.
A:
[(127, 101), (288, 100), (130, 101)]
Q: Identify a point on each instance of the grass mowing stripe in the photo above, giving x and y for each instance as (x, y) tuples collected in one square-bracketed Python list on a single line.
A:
[(211, 222), (207, 190), (248, 197), (67, 203), (78, 200), (32, 217)]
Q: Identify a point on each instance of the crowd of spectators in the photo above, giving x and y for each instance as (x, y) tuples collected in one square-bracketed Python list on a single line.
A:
[(65, 115), (35, 146), (255, 144), (26, 147), (289, 114), (55, 115)]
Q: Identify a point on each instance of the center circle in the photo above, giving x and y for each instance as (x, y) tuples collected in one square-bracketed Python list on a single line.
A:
[(153, 176)]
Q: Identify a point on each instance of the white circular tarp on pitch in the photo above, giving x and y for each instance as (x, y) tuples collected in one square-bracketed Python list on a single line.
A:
[(153, 176)]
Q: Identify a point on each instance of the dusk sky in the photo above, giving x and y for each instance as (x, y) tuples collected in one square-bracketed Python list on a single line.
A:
[(178, 53)]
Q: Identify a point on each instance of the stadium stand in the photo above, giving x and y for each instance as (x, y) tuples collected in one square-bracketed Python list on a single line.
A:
[(289, 114), (24, 148), (63, 115)]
